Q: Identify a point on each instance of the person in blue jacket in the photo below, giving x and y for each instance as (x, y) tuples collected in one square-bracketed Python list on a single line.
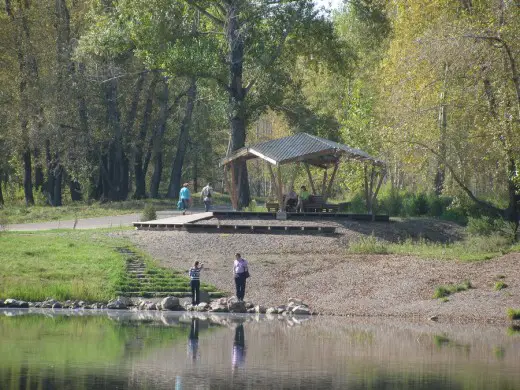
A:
[(184, 198)]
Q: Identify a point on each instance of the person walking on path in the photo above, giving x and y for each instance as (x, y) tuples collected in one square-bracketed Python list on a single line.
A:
[(195, 283), (184, 198), (206, 195), (241, 273)]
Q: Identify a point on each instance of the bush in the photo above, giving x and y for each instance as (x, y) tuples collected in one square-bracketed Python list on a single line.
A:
[(437, 205), (368, 244), (358, 204), (513, 314), (444, 291), (500, 286), (392, 202), (149, 213), (487, 226), (415, 205)]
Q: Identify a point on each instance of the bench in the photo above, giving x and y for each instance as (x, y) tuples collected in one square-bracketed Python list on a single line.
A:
[(317, 204)]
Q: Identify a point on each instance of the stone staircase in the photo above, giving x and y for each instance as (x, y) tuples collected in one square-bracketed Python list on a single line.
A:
[(142, 281)]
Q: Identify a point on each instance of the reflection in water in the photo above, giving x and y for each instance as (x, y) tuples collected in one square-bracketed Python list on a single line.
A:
[(193, 339), (239, 347), (115, 350)]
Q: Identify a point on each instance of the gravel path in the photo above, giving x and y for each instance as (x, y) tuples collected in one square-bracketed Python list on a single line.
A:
[(320, 271)]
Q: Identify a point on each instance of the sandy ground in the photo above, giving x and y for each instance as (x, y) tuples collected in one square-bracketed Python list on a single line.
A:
[(319, 270)]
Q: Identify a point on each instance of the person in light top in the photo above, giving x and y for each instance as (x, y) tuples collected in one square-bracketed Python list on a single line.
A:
[(195, 282), (240, 272), (206, 195)]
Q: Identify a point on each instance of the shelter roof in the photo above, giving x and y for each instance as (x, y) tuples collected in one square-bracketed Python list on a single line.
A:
[(300, 147)]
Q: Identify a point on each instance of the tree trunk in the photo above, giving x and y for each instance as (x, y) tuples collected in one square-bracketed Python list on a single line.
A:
[(39, 177), (176, 173), (443, 125), (27, 178), (237, 95), (156, 143), (1, 193), (75, 190), (140, 173)]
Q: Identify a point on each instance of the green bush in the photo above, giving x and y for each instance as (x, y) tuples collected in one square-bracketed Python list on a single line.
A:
[(358, 204), (437, 205), (500, 286), (513, 314), (149, 213), (444, 291), (392, 202), (487, 226), (415, 205)]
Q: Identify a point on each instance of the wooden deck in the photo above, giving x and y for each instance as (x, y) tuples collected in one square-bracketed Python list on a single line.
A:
[(307, 215), (186, 222)]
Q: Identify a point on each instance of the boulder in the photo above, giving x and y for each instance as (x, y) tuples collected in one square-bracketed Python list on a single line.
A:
[(170, 303), (117, 304), (150, 306), (217, 307), (296, 301), (236, 306), (251, 310), (49, 303), (249, 305), (57, 305), (203, 306), (301, 310), (271, 310), (204, 297), (15, 304), (260, 309), (127, 301), (2, 304)]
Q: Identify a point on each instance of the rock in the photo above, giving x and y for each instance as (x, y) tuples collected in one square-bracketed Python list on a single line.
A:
[(204, 297), (150, 306), (236, 306), (301, 310), (295, 301), (38, 304), (433, 318), (249, 305), (2, 304), (170, 303), (57, 305), (260, 309), (15, 304), (49, 303), (251, 310), (82, 304), (127, 301), (203, 306), (117, 304), (271, 310), (281, 309), (217, 307)]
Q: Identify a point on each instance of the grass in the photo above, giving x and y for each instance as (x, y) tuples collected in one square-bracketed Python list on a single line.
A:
[(513, 314), (75, 264), (16, 212), (369, 244), (500, 286), (473, 248), (446, 290)]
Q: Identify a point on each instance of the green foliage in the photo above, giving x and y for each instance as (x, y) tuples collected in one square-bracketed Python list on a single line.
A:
[(500, 286), (444, 291), (368, 245), (486, 226), (149, 213), (415, 205), (513, 314)]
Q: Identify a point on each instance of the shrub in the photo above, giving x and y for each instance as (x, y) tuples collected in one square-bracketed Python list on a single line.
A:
[(483, 226), (368, 244), (392, 202), (500, 286), (513, 314), (415, 205), (358, 204), (149, 213), (437, 205), (444, 291)]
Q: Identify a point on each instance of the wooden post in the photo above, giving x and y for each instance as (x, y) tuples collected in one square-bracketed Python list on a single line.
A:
[(273, 178), (324, 182), (332, 177), (280, 188), (310, 178)]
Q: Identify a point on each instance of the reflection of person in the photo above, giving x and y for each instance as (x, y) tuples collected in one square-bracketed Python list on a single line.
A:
[(195, 282), (184, 198), (206, 195), (291, 199), (239, 272), (302, 199), (193, 340), (239, 347)]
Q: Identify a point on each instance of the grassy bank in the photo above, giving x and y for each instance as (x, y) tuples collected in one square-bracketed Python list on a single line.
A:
[(74, 264), (472, 248), (16, 212)]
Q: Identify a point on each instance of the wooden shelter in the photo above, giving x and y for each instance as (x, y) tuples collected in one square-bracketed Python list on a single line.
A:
[(310, 150)]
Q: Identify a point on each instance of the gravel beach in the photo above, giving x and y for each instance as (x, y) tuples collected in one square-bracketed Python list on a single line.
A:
[(319, 270)]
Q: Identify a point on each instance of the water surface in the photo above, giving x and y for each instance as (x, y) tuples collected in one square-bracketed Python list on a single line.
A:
[(156, 350)]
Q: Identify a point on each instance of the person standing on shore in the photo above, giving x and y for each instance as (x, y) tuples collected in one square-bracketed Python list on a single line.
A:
[(195, 283), (185, 198), (241, 273)]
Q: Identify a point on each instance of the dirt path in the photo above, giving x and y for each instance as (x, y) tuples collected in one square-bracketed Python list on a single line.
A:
[(319, 270)]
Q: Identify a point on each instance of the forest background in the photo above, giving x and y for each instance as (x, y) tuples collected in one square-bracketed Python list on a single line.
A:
[(107, 100)]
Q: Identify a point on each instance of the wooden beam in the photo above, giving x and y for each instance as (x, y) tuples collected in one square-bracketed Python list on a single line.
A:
[(310, 178), (280, 189), (273, 178), (332, 177), (324, 182)]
